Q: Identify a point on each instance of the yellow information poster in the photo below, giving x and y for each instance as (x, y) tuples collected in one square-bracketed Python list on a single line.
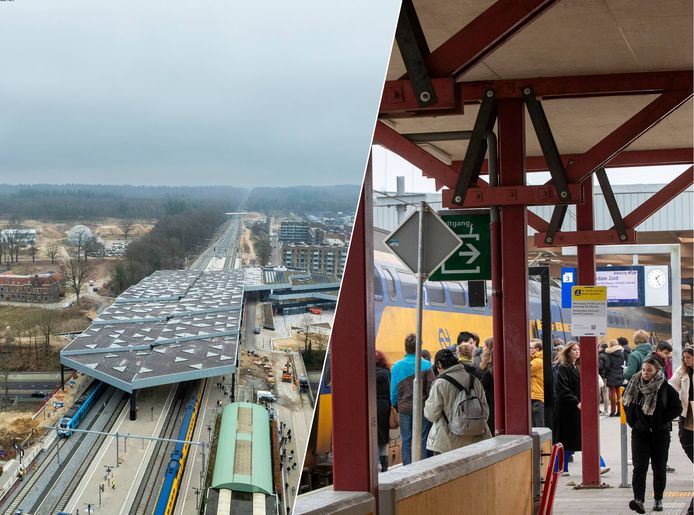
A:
[(589, 310)]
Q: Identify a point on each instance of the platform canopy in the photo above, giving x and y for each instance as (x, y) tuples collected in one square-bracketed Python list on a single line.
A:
[(594, 64), (171, 327), (243, 462)]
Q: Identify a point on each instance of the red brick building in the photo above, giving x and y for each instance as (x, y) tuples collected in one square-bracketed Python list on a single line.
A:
[(42, 288)]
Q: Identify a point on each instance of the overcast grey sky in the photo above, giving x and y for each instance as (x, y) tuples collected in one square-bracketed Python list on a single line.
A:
[(187, 93)]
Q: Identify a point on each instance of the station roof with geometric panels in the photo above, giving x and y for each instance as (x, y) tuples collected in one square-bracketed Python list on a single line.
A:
[(172, 326)]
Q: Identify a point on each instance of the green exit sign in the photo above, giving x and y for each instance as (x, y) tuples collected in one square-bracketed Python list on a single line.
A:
[(472, 261)]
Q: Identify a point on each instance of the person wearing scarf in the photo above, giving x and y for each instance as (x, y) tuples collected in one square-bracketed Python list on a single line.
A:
[(650, 404)]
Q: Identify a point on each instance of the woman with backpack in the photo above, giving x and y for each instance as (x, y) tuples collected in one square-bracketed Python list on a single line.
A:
[(650, 404), (456, 406), (383, 408)]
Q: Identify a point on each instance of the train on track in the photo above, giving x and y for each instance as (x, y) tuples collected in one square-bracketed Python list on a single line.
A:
[(171, 483), (447, 312), (80, 408)]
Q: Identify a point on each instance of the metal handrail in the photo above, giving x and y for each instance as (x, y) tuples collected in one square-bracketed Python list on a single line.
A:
[(554, 468)]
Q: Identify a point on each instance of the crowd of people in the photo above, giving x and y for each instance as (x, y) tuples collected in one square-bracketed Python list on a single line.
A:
[(458, 400)]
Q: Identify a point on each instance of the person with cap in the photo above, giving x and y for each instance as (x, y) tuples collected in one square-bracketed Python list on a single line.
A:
[(440, 405), (650, 404)]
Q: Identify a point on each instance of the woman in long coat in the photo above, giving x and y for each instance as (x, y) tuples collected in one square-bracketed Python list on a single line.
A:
[(383, 408), (567, 402)]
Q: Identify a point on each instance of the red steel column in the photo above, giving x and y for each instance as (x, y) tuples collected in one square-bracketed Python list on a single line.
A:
[(514, 272), (590, 426), (352, 360)]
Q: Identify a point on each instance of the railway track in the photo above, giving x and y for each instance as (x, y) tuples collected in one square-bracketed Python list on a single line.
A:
[(48, 507), (46, 474), (146, 494)]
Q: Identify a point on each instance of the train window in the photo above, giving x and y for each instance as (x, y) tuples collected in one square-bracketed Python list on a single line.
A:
[(408, 285), (390, 282), (435, 293), (610, 319), (457, 294), (378, 287)]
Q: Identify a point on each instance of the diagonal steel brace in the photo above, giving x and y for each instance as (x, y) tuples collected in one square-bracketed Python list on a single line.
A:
[(547, 142), (611, 202), (477, 148), (413, 49)]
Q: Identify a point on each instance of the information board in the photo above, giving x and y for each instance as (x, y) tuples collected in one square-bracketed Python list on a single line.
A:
[(589, 310)]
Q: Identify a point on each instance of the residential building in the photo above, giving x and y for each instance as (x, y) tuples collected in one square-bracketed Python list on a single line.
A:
[(326, 259), (295, 232), (41, 288)]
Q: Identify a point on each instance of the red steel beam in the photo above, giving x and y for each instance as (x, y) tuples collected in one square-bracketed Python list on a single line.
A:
[(627, 158), (514, 273), (590, 427), (580, 86), (353, 342), (483, 35), (430, 166), (605, 150), (570, 239), (512, 196), (398, 97), (662, 197), (537, 222)]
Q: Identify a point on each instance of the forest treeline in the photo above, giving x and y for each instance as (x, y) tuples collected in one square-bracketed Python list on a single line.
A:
[(303, 199), (173, 241), (75, 202)]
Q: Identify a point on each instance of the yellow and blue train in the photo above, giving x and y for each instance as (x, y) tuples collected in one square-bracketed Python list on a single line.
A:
[(171, 483), (447, 312)]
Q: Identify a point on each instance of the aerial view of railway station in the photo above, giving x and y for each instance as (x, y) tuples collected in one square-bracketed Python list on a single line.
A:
[(526, 229)]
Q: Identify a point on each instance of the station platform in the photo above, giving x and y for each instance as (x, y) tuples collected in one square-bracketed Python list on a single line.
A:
[(153, 403), (615, 500)]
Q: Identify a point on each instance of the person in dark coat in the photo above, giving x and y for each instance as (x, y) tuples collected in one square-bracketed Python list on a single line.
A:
[(650, 404), (614, 374), (567, 402), (487, 371), (383, 407), (626, 350)]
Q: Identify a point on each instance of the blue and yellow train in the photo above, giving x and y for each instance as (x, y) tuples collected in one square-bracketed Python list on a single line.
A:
[(80, 408), (447, 311), (171, 483)]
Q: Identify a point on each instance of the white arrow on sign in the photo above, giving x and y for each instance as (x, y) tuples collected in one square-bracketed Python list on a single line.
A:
[(473, 253)]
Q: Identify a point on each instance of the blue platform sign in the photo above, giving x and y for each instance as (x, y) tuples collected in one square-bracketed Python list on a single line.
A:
[(568, 279)]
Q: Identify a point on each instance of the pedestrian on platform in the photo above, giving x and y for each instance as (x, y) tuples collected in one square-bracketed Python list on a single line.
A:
[(465, 355), (642, 351), (603, 363), (664, 350), (625, 348), (440, 407), (383, 408), (614, 377), (682, 382), (556, 344), (487, 371), (567, 405), (537, 384), (478, 350), (401, 396), (650, 404)]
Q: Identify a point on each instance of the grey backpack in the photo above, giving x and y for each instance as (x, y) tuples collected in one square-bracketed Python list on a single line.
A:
[(468, 417)]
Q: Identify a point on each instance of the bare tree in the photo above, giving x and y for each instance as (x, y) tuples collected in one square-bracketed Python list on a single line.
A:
[(52, 249), (32, 249), (77, 273), (126, 226), (5, 370), (307, 321), (14, 237), (47, 323)]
